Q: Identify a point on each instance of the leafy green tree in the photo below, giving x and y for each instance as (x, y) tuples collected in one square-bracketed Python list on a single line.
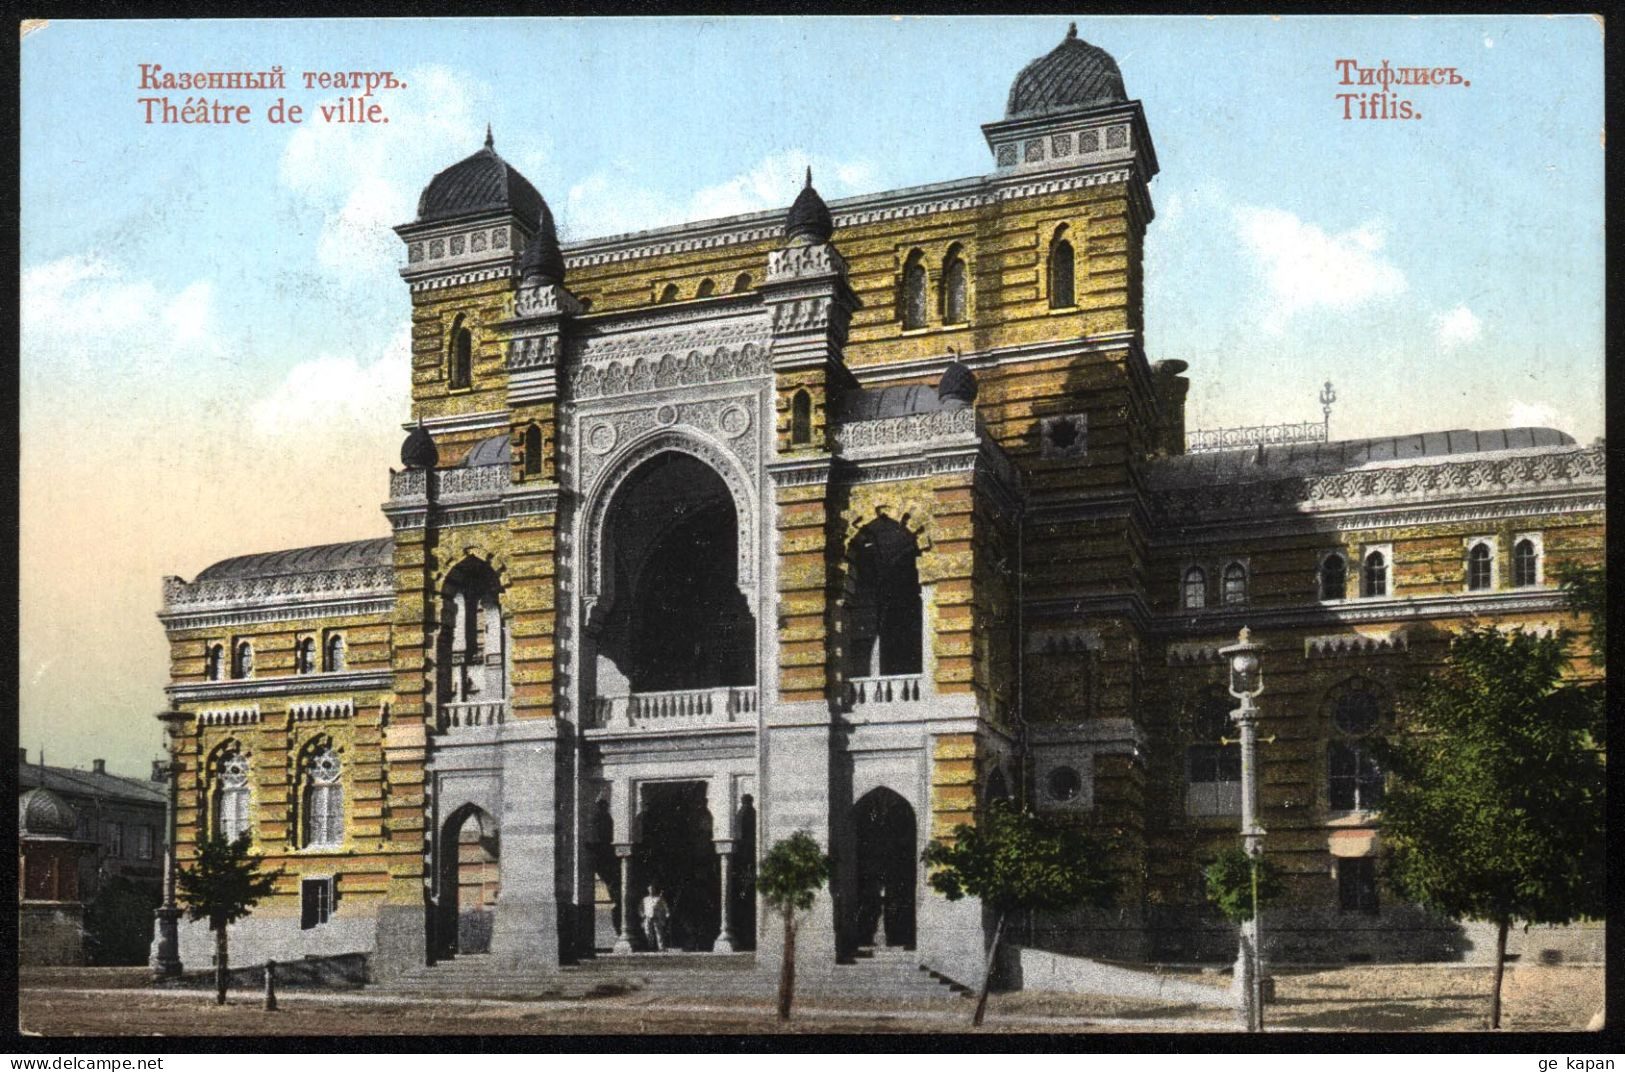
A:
[(1587, 590), (1229, 881), (790, 876), (1496, 812), (118, 922), (222, 885), (1013, 861)]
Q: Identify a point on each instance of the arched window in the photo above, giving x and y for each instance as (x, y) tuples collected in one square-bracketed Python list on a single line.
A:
[(669, 294), (913, 295), (707, 288), (472, 644), (1374, 575), (1480, 565), (533, 450), (884, 612), (1354, 780), (333, 653), (1195, 588), (1212, 766), (304, 655), (1061, 292), (242, 660), (231, 794), (742, 282), (1334, 577), (323, 799), (214, 657), (953, 287), (1235, 583), (801, 418), (1525, 564), (462, 355)]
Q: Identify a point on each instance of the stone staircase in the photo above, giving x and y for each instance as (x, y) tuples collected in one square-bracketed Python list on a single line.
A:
[(891, 973)]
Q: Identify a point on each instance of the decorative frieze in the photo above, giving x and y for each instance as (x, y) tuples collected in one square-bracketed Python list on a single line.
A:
[(537, 351), (322, 712), (669, 370), (1337, 644), (795, 263), (1195, 652), (914, 428), (229, 716), (287, 588)]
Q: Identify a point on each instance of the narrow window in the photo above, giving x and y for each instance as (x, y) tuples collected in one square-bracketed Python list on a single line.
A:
[(462, 355), (742, 283), (1235, 583), (707, 288), (213, 658), (1354, 779), (231, 797), (533, 450), (1374, 581), (242, 660), (1334, 578), (914, 291), (1195, 588), (1357, 884), (324, 800), (670, 293), (884, 614), (115, 839), (333, 654), (1479, 567), (315, 902), (1212, 766), (1525, 564), (953, 288), (304, 655), (801, 418), (1061, 294), (143, 842)]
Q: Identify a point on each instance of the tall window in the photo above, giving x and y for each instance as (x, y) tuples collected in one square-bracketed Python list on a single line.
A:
[(1061, 292), (143, 842), (304, 655), (1235, 583), (1194, 590), (1334, 577), (884, 613), (533, 450), (462, 355), (114, 838), (242, 660), (1480, 570), (707, 288), (1212, 768), (315, 901), (231, 796), (1357, 884), (1374, 575), (801, 418), (1354, 780), (1525, 564), (324, 800), (954, 304), (913, 297), (214, 657), (333, 654)]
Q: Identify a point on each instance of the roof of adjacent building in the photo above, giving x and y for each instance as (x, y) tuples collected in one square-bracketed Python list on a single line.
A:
[(1074, 74), (483, 182), (328, 556), (1271, 462), (71, 782)]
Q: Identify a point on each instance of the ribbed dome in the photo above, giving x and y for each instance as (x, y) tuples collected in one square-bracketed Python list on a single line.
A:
[(418, 452), (43, 814), (496, 450), (543, 261), (809, 217), (957, 385), (1075, 74), (482, 183)]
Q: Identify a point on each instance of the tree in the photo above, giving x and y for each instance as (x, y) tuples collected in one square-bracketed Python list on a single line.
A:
[(790, 876), (118, 922), (1496, 812), (1229, 881), (222, 885), (1586, 588), (1013, 860)]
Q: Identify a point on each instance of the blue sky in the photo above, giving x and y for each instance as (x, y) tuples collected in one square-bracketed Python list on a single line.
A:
[(213, 329)]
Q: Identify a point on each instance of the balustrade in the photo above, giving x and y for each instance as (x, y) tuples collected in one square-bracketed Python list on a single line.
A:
[(884, 689), (679, 707), (464, 715)]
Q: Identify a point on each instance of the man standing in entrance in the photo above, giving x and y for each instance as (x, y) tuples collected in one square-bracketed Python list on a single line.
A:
[(656, 917)]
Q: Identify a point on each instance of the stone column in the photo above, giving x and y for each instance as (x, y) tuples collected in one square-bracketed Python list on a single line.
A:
[(725, 939), (165, 960), (525, 933), (623, 852)]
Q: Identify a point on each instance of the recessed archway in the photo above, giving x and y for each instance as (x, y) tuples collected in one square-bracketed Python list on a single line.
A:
[(470, 879), (885, 844)]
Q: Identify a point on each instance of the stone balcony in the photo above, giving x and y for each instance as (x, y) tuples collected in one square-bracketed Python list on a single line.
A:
[(652, 712), (472, 715), (882, 689)]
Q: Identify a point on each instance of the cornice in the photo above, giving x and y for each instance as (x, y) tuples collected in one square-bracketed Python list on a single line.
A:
[(257, 614), (463, 422), (1388, 610), (248, 689)]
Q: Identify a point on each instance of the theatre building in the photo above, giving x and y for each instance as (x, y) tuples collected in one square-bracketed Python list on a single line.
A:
[(845, 518)]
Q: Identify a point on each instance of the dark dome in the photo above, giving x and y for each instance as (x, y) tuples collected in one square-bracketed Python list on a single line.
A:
[(494, 451), (41, 813), (958, 384), (1075, 74), (809, 217), (543, 260), (418, 452), (482, 183)]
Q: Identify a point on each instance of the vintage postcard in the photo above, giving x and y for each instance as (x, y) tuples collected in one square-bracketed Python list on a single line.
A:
[(1061, 524)]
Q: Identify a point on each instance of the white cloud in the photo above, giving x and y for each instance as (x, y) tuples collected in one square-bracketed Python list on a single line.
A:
[(82, 313), (1458, 327), (330, 392), (1532, 414), (1306, 269)]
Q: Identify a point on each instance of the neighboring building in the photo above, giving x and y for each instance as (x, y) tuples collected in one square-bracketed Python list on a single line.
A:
[(50, 910), (846, 521)]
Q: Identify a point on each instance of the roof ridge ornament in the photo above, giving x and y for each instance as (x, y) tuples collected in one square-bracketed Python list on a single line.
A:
[(490, 143), (1072, 31)]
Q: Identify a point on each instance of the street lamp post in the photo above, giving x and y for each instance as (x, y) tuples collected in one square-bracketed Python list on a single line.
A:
[(1246, 682), (166, 953)]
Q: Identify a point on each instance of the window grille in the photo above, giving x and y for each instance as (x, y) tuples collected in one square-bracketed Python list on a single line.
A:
[(1525, 564), (1479, 567), (1374, 581), (1235, 583), (324, 801), (1195, 589), (231, 804)]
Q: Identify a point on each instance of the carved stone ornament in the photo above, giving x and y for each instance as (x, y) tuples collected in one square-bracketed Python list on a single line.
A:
[(804, 262), (549, 299)]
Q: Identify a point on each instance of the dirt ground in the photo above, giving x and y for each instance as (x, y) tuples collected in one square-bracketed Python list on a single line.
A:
[(64, 1002)]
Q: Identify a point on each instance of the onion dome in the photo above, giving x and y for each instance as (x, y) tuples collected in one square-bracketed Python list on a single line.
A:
[(483, 182), (809, 217), (1074, 74), (43, 814), (543, 260), (957, 388), (418, 452)]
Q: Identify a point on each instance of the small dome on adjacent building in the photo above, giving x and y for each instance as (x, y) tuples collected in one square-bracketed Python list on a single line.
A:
[(957, 388), (809, 217), (43, 814), (497, 450), (483, 182), (1074, 74), (418, 452), (543, 260)]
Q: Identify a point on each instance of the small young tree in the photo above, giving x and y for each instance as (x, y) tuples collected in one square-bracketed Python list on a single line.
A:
[(1496, 813), (1013, 860), (222, 885), (1229, 880), (790, 876)]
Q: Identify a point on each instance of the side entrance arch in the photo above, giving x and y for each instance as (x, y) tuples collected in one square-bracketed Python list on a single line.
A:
[(470, 878), (885, 838)]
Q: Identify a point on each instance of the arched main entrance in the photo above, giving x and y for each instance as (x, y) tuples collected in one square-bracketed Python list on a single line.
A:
[(675, 854), (885, 842), (469, 881)]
